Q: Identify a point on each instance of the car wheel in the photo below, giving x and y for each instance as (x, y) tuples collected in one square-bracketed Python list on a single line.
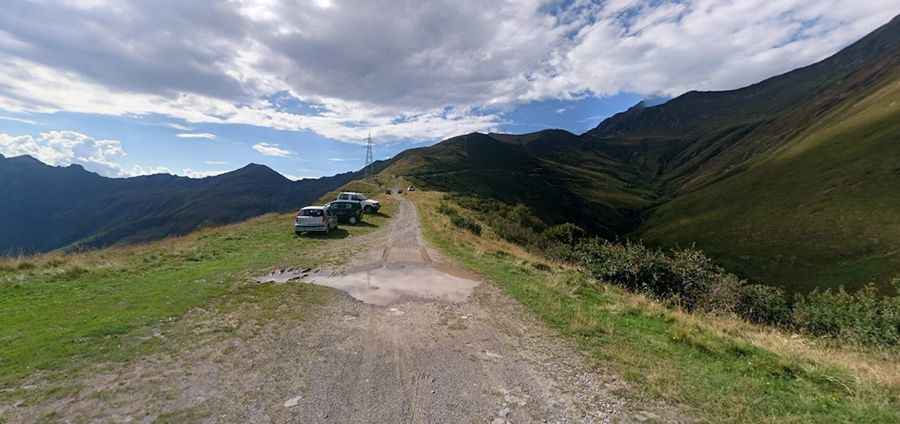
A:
[(353, 220), (368, 209)]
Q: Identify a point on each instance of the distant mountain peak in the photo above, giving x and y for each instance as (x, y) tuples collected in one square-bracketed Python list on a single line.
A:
[(26, 159), (257, 172)]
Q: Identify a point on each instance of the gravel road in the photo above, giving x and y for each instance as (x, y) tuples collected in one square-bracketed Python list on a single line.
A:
[(434, 347)]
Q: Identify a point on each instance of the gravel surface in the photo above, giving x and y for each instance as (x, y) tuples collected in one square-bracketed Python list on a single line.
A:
[(475, 357)]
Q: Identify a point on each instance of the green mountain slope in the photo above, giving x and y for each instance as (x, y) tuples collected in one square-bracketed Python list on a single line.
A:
[(553, 172), (823, 210)]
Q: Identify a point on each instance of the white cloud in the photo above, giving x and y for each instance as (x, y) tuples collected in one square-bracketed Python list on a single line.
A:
[(138, 170), (208, 136), (269, 149), (435, 69), (337, 159), (20, 120), (188, 172), (61, 148), (669, 48), (297, 177), (215, 162), (178, 127)]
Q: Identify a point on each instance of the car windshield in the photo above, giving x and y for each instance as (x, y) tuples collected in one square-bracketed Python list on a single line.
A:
[(311, 212)]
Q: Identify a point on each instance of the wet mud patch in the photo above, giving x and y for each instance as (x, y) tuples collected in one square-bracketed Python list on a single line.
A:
[(398, 282), (285, 275)]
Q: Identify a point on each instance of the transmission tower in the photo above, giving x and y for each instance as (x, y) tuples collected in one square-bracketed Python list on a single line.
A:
[(369, 156)]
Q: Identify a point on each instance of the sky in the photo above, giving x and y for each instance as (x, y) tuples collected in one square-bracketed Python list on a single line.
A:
[(201, 87)]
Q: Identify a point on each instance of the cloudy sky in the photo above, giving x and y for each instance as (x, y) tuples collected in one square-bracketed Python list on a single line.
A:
[(129, 87)]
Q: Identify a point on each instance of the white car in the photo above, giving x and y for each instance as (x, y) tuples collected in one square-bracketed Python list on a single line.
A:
[(315, 219), (368, 205)]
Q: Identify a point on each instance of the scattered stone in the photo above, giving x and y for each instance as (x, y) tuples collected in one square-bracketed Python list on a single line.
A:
[(499, 421), (492, 355), (395, 312), (503, 413), (292, 402)]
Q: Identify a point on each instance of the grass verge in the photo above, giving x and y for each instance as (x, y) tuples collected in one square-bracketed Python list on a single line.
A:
[(718, 369)]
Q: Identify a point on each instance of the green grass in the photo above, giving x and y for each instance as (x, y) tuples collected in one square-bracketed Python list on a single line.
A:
[(62, 312), (672, 356)]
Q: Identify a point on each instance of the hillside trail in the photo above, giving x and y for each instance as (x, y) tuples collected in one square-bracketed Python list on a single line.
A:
[(413, 340)]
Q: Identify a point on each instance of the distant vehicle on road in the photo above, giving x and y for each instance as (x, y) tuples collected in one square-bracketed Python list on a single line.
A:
[(346, 211), (367, 205), (411, 188), (315, 219)]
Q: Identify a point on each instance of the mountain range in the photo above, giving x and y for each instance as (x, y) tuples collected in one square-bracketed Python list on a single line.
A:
[(46, 207), (792, 181)]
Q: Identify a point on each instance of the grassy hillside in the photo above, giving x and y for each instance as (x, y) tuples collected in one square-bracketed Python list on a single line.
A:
[(551, 172), (718, 368), (62, 312), (822, 211)]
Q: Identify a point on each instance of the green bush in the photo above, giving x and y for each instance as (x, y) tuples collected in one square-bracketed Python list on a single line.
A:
[(446, 209), (763, 304), (863, 317), (465, 223), (686, 277), (458, 220), (690, 279)]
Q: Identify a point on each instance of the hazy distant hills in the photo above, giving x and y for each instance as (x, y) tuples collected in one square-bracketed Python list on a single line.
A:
[(45, 207), (793, 181)]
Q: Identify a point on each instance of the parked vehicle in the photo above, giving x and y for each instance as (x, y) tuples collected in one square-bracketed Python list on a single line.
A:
[(315, 219), (346, 211), (411, 188), (367, 205)]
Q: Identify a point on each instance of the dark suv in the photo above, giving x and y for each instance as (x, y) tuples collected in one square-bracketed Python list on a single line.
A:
[(346, 211)]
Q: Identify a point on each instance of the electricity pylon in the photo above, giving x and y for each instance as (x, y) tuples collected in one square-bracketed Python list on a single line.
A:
[(369, 156)]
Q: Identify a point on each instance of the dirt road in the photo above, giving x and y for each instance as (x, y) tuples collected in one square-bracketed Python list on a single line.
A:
[(418, 342)]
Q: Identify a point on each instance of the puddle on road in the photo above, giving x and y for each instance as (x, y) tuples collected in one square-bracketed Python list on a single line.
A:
[(393, 283)]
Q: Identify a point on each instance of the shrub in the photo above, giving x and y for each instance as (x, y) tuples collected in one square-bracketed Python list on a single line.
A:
[(568, 234), (694, 277), (686, 277), (862, 317), (465, 223), (630, 265), (763, 304), (446, 209)]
